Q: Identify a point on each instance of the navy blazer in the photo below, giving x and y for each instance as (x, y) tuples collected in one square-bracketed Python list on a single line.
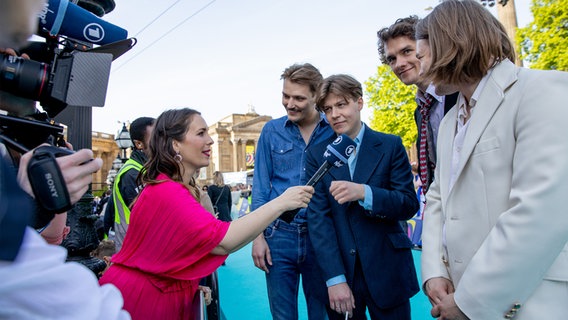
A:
[(340, 233)]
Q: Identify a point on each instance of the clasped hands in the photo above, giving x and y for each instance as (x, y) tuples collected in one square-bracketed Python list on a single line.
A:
[(440, 292)]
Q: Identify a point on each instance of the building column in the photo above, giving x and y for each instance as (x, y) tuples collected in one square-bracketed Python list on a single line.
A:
[(235, 162), (243, 163)]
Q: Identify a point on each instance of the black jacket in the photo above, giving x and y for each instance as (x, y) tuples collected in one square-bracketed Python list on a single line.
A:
[(221, 197), (128, 188)]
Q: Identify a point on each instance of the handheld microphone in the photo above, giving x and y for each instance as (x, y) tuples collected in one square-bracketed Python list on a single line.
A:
[(61, 17), (335, 155)]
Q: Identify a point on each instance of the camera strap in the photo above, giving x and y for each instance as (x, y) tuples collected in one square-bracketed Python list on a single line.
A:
[(47, 181)]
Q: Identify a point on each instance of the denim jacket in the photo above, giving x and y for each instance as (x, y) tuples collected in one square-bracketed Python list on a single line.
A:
[(280, 159)]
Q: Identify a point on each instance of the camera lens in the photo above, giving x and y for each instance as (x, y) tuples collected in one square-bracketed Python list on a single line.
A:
[(22, 77)]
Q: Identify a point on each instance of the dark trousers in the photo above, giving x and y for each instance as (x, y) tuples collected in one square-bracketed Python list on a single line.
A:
[(364, 302)]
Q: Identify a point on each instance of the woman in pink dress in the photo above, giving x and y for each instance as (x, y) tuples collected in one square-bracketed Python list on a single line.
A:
[(172, 241)]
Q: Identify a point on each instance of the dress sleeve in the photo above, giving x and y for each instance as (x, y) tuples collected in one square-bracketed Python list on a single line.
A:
[(172, 235)]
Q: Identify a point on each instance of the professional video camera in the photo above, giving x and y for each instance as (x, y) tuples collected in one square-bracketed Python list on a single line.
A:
[(70, 68)]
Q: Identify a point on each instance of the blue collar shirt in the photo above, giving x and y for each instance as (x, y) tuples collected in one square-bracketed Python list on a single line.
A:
[(280, 160)]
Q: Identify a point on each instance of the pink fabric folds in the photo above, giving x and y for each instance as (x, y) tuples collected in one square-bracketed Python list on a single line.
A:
[(166, 252)]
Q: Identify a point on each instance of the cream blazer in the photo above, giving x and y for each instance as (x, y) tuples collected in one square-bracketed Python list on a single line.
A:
[(506, 217)]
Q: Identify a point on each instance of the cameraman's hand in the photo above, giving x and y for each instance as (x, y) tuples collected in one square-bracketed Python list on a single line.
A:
[(77, 176), (16, 106)]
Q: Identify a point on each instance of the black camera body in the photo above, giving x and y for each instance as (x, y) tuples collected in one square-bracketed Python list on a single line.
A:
[(71, 67), (72, 78)]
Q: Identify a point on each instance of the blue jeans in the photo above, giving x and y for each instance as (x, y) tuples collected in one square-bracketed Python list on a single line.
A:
[(292, 256)]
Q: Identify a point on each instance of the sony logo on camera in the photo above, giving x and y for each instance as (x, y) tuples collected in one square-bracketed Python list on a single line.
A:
[(46, 179), (51, 185)]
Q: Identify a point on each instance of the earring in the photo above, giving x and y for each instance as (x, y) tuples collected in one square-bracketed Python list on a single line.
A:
[(178, 157)]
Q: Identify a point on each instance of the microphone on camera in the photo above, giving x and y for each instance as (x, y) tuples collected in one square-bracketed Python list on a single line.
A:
[(335, 155), (61, 17)]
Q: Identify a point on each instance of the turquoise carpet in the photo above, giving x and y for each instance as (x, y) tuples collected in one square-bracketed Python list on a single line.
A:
[(243, 291)]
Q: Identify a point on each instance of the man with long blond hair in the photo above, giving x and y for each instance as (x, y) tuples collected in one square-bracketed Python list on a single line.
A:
[(495, 228)]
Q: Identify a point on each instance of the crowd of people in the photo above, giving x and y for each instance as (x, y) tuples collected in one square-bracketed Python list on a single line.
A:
[(490, 178)]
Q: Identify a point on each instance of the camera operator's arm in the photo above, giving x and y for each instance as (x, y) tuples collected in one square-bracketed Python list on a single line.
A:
[(57, 230), (77, 170)]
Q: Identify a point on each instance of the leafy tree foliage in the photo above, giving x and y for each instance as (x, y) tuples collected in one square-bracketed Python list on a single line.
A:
[(393, 105), (544, 42)]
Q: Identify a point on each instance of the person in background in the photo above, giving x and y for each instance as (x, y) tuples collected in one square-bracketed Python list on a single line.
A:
[(204, 197), (104, 251), (126, 187), (284, 251), (220, 195), (415, 224), (397, 49), (236, 198), (172, 241), (353, 219), (101, 207), (495, 227)]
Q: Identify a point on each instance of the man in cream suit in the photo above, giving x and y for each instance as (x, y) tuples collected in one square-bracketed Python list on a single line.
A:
[(496, 225)]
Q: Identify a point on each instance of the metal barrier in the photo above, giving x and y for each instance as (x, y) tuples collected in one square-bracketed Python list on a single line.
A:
[(199, 307), (213, 310)]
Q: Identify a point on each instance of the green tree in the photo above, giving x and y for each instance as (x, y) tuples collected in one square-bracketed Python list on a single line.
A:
[(544, 41), (393, 105)]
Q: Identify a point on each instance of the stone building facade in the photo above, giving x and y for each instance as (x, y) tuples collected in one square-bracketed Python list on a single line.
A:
[(104, 146), (235, 140)]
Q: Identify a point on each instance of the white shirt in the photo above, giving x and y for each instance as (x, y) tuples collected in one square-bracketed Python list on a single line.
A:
[(39, 284), (463, 123), (436, 110)]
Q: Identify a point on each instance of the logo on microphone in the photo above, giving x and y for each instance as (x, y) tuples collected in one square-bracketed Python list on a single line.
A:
[(94, 32), (337, 141), (349, 150)]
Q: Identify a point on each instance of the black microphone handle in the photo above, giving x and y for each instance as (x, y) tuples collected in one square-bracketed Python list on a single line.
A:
[(325, 167), (289, 215)]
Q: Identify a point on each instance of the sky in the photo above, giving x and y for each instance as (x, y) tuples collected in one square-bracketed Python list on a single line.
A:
[(223, 56)]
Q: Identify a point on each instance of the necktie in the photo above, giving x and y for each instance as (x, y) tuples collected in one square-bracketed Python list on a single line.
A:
[(423, 148)]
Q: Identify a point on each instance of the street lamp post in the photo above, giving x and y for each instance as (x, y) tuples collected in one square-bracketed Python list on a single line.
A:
[(123, 141), (116, 165)]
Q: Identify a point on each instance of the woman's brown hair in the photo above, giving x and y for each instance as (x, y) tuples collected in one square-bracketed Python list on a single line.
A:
[(171, 125)]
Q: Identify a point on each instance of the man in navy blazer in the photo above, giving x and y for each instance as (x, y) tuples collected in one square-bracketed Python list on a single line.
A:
[(353, 218)]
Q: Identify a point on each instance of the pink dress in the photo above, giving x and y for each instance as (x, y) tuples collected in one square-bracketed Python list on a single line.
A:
[(165, 253)]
